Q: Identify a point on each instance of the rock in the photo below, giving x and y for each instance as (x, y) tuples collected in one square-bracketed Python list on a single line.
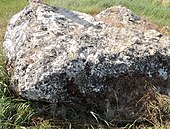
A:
[(60, 56), (120, 17)]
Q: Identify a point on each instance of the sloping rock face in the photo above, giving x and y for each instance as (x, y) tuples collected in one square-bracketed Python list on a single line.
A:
[(60, 56)]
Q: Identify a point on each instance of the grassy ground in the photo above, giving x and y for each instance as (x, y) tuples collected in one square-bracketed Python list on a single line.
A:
[(17, 113)]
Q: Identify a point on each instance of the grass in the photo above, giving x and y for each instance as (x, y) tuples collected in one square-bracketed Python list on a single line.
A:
[(18, 113)]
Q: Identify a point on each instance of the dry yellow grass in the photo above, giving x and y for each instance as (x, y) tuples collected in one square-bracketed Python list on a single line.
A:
[(164, 2)]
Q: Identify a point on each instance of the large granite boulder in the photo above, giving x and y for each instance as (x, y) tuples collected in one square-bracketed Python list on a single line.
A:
[(60, 56)]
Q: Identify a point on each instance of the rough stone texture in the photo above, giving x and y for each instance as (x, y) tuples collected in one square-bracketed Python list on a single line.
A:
[(57, 55), (120, 17)]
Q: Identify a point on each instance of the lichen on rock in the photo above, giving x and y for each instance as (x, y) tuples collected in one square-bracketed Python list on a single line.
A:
[(57, 55)]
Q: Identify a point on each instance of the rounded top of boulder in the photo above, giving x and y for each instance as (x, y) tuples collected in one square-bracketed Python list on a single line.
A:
[(120, 16)]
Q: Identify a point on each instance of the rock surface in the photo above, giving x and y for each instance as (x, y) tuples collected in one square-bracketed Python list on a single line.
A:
[(120, 17), (60, 56)]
